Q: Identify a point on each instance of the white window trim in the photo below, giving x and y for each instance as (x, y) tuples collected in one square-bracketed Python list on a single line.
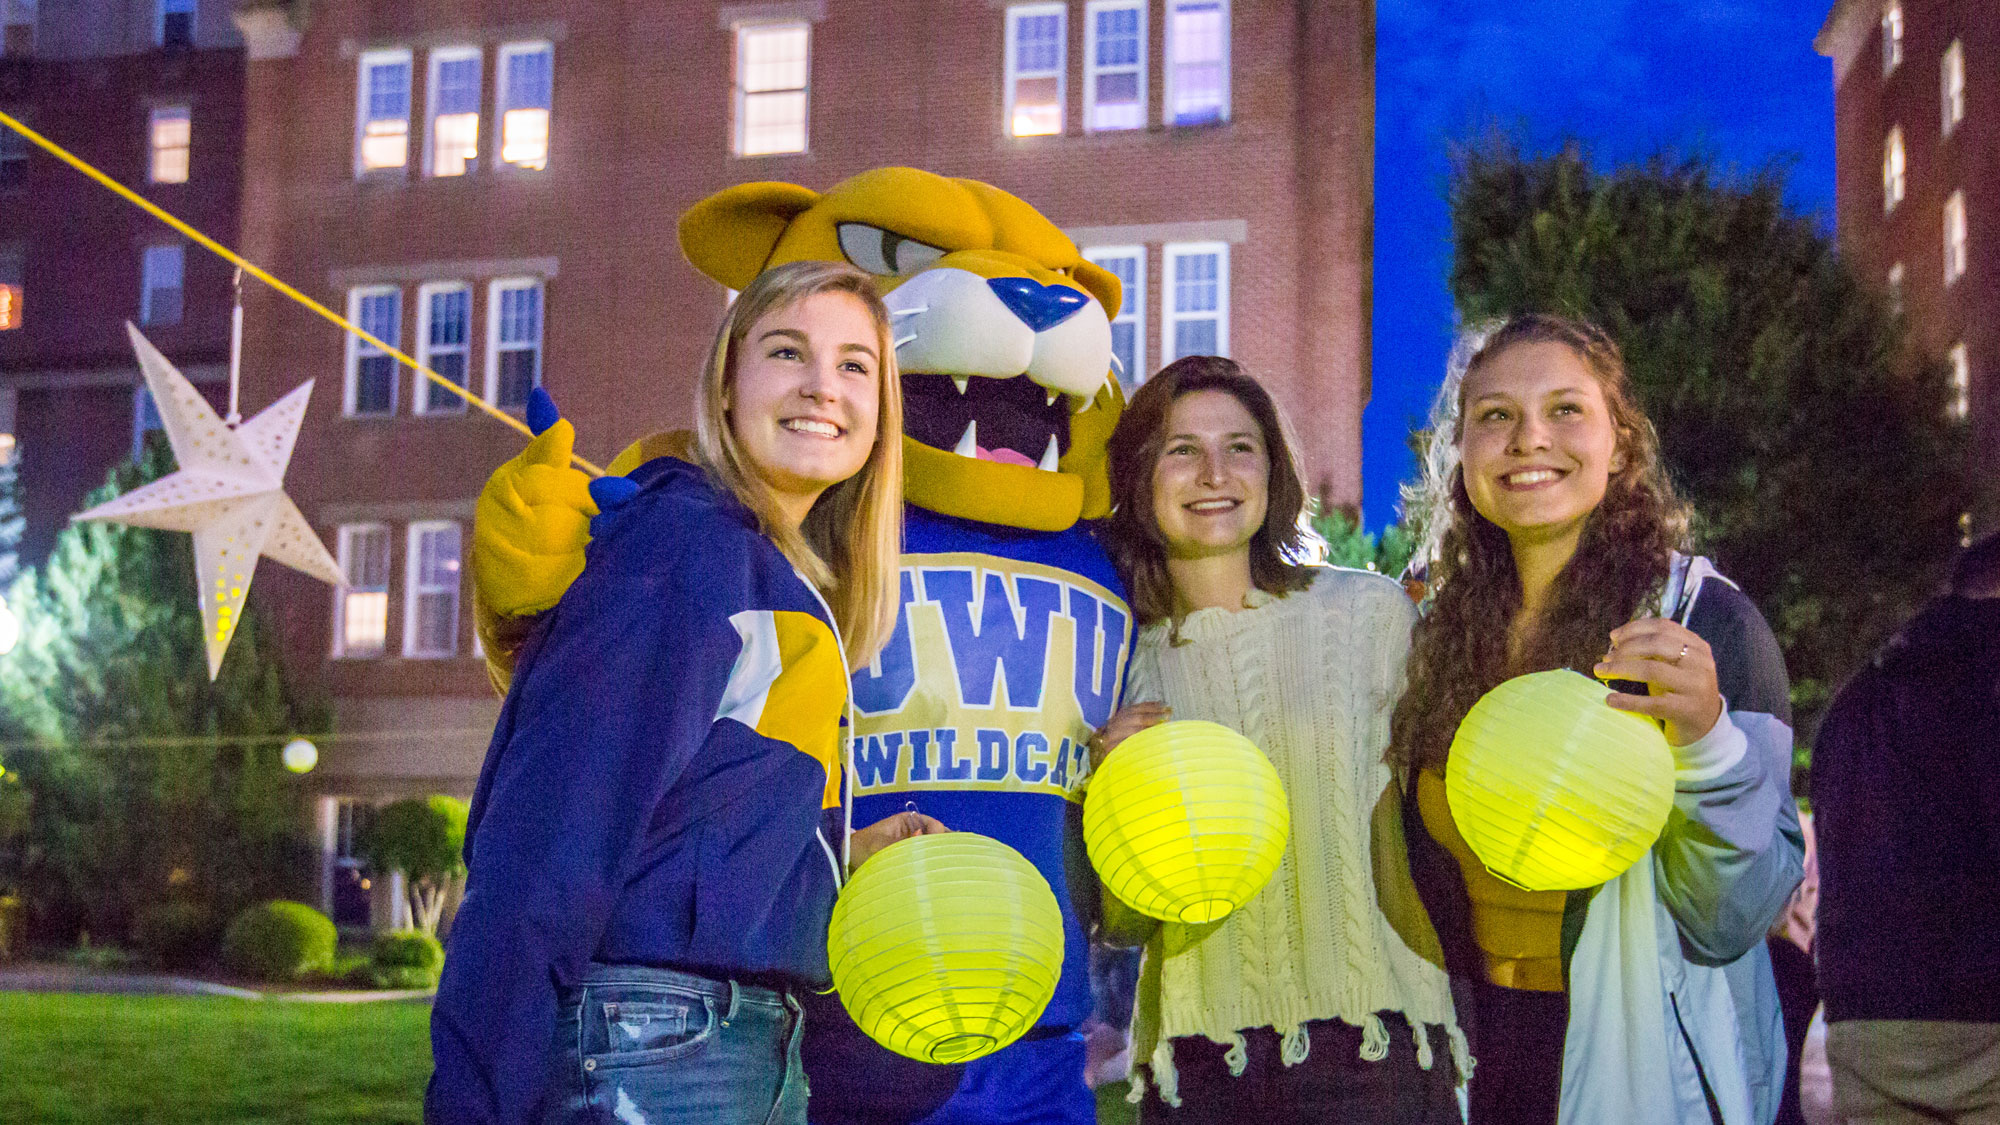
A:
[(412, 587), (437, 57), (1228, 70), (1169, 271), (500, 91), (160, 21), (1091, 70), (1957, 238), (368, 61), (1136, 297), (352, 382), (494, 288), (153, 149), (146, 286), (1951, 95), (1013, 75), (1960, 405), (421, 403), (741, 92), (1896, 275), (1892, 37), (344, 544), (1895, 169)]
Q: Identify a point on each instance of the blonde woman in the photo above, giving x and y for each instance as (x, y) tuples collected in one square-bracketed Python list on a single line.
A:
[(658, 832)]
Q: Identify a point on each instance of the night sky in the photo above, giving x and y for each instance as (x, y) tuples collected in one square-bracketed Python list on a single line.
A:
[(1735, 79)]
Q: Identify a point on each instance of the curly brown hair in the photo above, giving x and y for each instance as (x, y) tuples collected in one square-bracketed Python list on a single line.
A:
[(1459, 650), (1133, 534)]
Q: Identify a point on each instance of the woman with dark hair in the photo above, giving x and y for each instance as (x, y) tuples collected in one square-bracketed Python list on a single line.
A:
[(1552, 538), (1312, 1002)]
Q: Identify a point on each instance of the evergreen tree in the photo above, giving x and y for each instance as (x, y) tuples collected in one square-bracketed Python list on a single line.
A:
[(12, 522), (146, 782), (1813, 441)]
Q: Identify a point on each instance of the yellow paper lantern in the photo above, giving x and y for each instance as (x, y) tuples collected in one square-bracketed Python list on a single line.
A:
[(947, 947), (1186, 821), (1554, 790)]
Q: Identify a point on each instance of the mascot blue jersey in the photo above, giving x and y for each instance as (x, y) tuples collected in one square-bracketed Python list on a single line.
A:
[(1009, 651)]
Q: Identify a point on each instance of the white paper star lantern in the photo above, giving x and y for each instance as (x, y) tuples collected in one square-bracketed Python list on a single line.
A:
[(229, 492)]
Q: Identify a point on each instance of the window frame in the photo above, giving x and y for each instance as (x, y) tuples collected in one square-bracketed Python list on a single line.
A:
[(350, 385), (367, 62), (345, 551), (146, 286), (1951, 87), (1170, 318), (192, 8), (1224, 114), (1012, 75), (434, 60), (421, 404), (1892, 37), (18, 150), (1895, 170), (503, 89), (11, 12), (1092, 71), (494, 345), (154, 149), (1897, 276), (1960, 405), (142, 399), (740, 92), (1957, 238), (1135, 301), (414, 587)]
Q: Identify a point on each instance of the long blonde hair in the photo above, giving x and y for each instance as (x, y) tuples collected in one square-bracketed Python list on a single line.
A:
[(851, 542)]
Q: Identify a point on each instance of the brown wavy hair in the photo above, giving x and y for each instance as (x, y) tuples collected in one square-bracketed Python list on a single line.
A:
[(1133, 534), (1459, 649)]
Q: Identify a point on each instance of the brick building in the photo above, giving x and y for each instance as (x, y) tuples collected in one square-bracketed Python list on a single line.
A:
[(1917, 188), (150, 91), (495, 187)]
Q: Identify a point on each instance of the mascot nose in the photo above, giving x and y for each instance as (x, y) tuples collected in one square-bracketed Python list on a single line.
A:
[(1039, 306)]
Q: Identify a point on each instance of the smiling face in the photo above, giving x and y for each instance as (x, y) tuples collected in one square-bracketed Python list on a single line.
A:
[(805, 396), (1537, 442), (1211, 485)]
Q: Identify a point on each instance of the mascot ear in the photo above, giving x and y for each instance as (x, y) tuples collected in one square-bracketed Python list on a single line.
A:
[(730, 235), (1103, 285)]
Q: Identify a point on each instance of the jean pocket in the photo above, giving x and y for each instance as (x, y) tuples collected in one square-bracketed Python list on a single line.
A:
[(631, 1025)]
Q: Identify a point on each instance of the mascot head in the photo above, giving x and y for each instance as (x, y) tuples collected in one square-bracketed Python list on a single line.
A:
[(1002, 330)]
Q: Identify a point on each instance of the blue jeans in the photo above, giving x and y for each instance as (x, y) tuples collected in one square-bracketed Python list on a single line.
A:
[(640, 1046)]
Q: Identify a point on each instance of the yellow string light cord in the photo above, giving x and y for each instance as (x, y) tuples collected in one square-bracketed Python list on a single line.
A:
[(148, 206)]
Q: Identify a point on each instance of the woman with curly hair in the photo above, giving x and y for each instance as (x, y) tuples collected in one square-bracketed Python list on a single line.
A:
[(1553, 540)]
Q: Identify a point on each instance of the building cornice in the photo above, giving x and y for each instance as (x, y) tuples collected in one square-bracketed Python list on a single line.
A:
[(1845, 33), (271, 29)]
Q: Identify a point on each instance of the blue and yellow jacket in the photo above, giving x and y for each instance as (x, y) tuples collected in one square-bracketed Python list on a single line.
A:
[(664, 788)]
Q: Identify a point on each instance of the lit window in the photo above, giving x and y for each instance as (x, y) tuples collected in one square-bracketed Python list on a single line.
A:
[(1197, 300), (173, 23), (171, 133), (454, 112), (371, 372), (1896, 289), (160, 284), (361, 607), (1894, 165), (1035, 39), (382, 128), (514, 341), (444, 327), (1128, 321), (1951, 80), (773, 65), (1197, 62), (17, 28), (1114, 83), (11, 292), (145, 419), (430, 626), (1960, 403), (527, 84), (13, 156), (1955, 252), (1892, 36)]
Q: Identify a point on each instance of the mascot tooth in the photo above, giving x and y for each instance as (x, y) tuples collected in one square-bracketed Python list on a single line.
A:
[(1010, 645)]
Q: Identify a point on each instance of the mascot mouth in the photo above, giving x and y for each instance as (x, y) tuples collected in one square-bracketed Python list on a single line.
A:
[(1014, 421)]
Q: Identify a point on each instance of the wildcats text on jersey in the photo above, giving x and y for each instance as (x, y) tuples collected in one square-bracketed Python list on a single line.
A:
[(997, 674)]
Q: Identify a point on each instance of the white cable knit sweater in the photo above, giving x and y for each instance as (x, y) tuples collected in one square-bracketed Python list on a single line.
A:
[(1311, 678)]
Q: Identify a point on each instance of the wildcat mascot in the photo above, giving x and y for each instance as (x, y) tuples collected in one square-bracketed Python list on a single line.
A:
[(1010, 645)]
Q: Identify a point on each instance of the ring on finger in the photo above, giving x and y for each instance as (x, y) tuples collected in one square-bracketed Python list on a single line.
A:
[(1677, 659)]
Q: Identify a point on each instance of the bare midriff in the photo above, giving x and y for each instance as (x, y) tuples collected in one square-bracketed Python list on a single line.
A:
[(1519, 932)]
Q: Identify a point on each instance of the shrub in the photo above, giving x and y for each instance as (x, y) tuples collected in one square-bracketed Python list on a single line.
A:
[(178, 935), (279, 941), (407, 959)]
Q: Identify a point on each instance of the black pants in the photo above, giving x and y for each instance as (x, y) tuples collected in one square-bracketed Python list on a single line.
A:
[(1518, 1077), (1333, 1084), (1798, 996)]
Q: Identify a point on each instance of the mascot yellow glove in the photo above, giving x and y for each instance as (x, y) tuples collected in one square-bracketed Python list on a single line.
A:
[(530, 528)]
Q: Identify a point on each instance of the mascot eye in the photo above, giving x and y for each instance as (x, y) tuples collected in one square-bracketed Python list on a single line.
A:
[(884, 252)]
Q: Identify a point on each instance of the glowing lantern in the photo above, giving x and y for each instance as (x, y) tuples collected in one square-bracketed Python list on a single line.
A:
[(947, 947), (1552, 789), (300, 755), (1186, 821)]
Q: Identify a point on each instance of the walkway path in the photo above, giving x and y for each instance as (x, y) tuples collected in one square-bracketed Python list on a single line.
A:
[(43, 976)]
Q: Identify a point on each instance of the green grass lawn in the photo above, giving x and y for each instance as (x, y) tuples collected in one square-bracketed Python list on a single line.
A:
[(200, 1060)]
